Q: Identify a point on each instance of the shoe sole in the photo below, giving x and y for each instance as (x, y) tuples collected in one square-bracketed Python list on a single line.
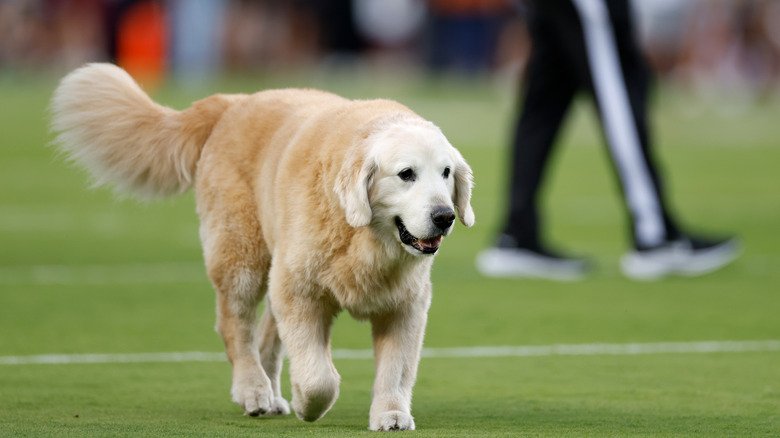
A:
[(496, 263), (659, 264)]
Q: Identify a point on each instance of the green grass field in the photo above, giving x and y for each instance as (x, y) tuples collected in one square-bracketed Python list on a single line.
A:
[(84, 272)]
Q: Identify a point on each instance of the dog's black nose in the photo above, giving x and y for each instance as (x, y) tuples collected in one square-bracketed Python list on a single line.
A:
[(443, 217)]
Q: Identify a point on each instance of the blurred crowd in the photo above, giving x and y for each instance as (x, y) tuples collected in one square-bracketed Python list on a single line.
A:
[(731, 44)]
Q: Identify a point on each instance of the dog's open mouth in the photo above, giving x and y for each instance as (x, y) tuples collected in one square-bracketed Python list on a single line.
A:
[(426, 246)]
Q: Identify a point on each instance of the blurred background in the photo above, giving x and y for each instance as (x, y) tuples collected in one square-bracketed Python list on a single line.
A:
[(455, 62), (710, 46)]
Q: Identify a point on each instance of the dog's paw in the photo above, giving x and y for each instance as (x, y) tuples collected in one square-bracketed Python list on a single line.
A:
[(254, 395), (313, 398), (392, 421), (279, 407)]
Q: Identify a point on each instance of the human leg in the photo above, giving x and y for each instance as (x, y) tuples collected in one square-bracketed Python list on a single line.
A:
[(549, 88), (619, 79)]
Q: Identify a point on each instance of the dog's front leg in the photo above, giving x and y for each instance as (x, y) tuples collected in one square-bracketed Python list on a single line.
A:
[(304, 320), (398, 338)]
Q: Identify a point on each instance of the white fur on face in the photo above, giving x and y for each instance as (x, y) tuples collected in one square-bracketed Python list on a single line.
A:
[(422, 151)]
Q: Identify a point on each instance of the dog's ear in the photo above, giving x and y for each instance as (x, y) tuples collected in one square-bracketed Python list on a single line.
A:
[(464, 182), (352, 184)]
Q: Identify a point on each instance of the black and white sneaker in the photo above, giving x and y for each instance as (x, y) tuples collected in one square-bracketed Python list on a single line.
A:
[(686, 256), (507, 261)]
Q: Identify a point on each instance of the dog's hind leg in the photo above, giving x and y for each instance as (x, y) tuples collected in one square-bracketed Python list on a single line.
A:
[(237, 263), (237, 323), (271, 356)]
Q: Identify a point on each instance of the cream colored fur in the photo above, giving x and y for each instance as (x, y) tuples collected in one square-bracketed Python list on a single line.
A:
[(302, 197)]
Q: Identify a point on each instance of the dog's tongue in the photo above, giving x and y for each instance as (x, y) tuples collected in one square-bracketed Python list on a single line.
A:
[(431, 243)]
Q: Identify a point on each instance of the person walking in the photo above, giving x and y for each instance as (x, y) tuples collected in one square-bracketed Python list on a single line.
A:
[(591, 46)]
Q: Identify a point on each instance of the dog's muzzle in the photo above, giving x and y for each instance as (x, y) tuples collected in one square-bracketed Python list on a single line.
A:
[(428, 245)]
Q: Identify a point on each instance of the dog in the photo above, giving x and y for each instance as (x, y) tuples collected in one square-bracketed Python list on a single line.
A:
[(308, 200)]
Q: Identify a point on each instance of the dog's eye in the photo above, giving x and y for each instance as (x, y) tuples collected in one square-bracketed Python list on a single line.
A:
[(407, 174), (446, 173)]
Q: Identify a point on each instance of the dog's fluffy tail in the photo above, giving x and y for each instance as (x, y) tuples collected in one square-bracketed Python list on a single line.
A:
[(108, 125)]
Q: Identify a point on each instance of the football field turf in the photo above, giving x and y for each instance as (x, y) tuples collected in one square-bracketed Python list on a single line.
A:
[(83, 273)]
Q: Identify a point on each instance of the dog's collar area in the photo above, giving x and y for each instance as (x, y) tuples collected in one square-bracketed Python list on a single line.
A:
[(425, 246)]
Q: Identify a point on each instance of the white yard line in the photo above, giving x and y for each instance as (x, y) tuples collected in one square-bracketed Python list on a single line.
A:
[(458, 352), (171, 272)]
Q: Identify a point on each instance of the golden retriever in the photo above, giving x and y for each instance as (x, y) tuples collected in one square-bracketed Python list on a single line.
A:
[(315, 202)]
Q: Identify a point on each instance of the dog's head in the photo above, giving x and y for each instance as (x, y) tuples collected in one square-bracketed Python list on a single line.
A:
[(407, 181)]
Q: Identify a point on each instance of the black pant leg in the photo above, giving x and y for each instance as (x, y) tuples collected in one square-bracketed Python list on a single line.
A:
[(638, 78), (548, 90), (612, 68)]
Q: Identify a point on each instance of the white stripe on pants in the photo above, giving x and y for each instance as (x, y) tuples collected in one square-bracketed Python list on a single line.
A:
[(618, 120)]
